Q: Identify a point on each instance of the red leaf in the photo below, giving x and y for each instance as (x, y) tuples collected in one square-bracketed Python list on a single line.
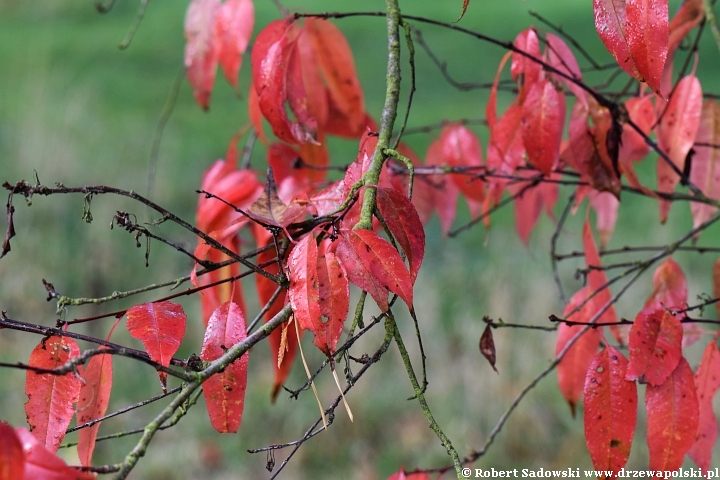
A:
[(93, 403), (670, 287), (160, 326), (634, 146), (610, 23), (255, 115), (444, 192), (654, 346), (334, 302), (266, 288), (610, 404), (676, 134), (716, 283), (647, 37), (705, 171), (606, 207), (597, 279), (213, 297), (672, 418), (506, 151), (707, 383), (561, 57), (688, 16), (490, 108), (49, 408), (316, 156), (404, 223), (461, 148), (270, 62), (202, 48), (573, 367), (529, 204), (225, 391), (41, 464), (375, 266), (401, 475), (543, 122), (237, 187), (337, 66), (524, 70), (12, 458), (304, 292), (235, 20)]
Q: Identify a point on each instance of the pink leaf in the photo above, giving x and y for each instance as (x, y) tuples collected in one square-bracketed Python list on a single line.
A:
[(202, 48), (672, 418), (50, 408), (670, 287), (235, 19), (461, 148), (707, 383), (225, 391), (561, 57), (676, 134), (524, 70), (160, 326), (705, 171)]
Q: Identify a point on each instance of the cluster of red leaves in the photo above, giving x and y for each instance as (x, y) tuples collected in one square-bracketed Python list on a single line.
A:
[(304, 85), (680, 418), (216, 33), (54, 399)]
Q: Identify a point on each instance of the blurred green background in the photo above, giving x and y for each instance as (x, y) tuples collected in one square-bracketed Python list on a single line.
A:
[(74, 109)]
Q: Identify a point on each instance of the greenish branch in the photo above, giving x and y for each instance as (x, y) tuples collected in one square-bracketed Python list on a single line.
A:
[(389, 113)]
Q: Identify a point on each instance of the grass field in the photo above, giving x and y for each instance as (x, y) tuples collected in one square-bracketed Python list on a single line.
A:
[(74, 109)]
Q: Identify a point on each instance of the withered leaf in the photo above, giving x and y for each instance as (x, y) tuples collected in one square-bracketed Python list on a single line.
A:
[(487, 346), (10, 232), (270, 210)]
